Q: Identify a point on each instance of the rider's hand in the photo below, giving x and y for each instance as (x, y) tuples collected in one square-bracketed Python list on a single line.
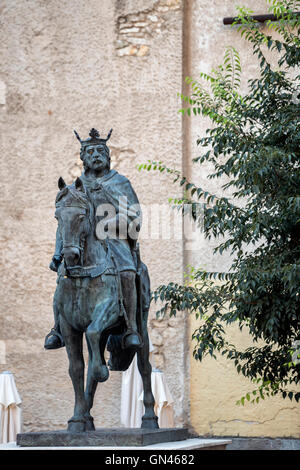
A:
[(55, 262)]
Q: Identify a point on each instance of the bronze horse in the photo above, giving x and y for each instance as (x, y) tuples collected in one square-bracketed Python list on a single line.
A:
[(88, 299)]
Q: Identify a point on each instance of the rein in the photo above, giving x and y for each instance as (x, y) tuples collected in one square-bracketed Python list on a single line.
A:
[(89, 271), (107, 265), (78, 247), (80, 271)]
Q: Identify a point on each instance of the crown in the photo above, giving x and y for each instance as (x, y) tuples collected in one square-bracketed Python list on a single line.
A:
[(94, 138)]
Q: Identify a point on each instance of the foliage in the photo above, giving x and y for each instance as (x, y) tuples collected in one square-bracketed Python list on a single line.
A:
[(254, 143)]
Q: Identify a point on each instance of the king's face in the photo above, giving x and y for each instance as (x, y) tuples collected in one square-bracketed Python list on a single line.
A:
[(95, 157)]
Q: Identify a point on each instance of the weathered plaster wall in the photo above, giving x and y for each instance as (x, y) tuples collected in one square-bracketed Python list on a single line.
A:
[(215, 389), (74, 65), (215, 385), (61, 69)]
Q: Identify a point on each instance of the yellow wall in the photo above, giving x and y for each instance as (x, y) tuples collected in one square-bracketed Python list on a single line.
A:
[(215, 387)]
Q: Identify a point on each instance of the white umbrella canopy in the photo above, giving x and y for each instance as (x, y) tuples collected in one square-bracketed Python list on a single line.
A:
[(132, 408), (10, 412)]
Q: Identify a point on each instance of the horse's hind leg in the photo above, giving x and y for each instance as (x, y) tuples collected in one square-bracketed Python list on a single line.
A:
[(73, 341), (149, 420)]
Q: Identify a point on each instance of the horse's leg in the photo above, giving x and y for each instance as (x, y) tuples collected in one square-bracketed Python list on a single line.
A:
[(149, 420), (105, 315), (73, 341), (91, 384), (90, 390)]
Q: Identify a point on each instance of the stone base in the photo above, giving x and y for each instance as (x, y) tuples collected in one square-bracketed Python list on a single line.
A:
[(263, 443), (102, 437)]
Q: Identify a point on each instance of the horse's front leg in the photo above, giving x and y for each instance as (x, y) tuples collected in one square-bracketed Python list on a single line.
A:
[(105, 315), (90, 390), (73, 341), (149, 420)]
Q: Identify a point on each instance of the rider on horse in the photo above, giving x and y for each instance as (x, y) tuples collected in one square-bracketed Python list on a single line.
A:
[(110, 193)]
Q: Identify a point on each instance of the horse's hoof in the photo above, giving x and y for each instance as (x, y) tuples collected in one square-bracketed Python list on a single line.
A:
[(89, 424), (101, 373), (76, 425), (150, 423), (132, 341)]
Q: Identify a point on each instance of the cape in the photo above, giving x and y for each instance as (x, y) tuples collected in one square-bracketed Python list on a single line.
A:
[(116, 189)]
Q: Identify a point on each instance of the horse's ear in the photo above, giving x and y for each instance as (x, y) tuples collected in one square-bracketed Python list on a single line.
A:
[(79, 185), (61, 183)]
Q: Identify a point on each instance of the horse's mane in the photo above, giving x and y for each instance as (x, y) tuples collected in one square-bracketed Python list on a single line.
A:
[(73, 196), (80, 197)]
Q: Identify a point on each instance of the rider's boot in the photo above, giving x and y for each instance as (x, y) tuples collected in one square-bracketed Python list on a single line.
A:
[(131, 338), (54, 339)]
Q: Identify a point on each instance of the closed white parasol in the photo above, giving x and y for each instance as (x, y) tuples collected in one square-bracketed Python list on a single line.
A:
[(10, 411)]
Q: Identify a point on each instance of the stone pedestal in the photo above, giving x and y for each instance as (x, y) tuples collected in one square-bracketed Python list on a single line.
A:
[(120, 437)]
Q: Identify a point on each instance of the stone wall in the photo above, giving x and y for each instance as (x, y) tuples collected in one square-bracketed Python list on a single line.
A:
[(135, 31), (115, 63), (63, 69)]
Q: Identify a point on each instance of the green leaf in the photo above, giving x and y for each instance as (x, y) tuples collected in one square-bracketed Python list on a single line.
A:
[(250, 152)]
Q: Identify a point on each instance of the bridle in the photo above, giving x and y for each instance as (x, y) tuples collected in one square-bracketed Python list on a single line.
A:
[(79, 247), (86, 271)]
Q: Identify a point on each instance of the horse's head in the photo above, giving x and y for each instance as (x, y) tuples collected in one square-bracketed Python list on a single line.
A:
[(73, 213)]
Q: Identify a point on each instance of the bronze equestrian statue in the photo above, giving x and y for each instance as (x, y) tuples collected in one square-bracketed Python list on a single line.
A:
[(103, 288)]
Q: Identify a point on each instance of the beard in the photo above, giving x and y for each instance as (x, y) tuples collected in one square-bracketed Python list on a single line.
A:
[(102, 164)]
